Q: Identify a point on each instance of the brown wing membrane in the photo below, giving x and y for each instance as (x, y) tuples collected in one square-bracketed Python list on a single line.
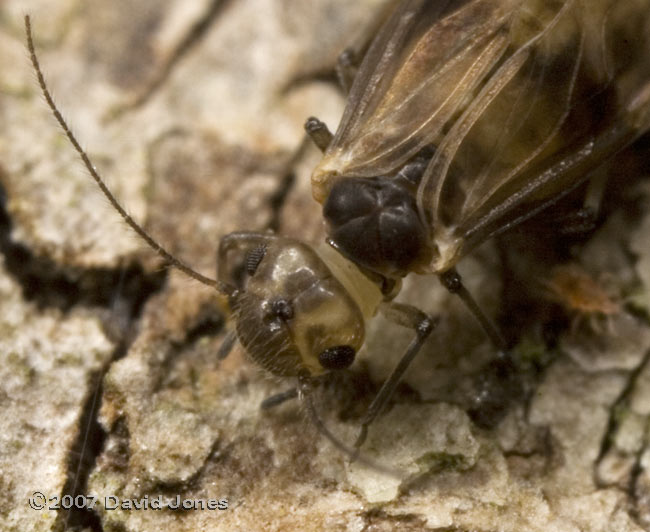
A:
[(424, 67), (573, 89)]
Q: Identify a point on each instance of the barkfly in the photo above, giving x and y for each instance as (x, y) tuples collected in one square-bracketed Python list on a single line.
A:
[(572, 287), (465, 118)]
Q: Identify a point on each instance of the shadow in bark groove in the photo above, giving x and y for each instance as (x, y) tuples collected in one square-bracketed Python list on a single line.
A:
[(192, 37), (122, 290), (51, 285)]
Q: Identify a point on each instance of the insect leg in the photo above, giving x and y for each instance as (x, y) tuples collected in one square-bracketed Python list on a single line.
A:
[(279, 398), (584, 220), (347, 65), (452, 281), (422, 324), (576, 223), (350, 59), (227, 345), (581, 221), (305, 392), (497, 384), (319, 133)]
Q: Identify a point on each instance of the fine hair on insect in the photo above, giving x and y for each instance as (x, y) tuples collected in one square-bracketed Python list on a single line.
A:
[(464, 119)]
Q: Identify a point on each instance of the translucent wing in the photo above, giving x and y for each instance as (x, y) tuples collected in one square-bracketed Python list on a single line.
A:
[(423, 68), (572, 92), (520, 99)]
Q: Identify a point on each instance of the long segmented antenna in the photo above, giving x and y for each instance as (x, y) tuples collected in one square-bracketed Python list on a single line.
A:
[(173, 261)]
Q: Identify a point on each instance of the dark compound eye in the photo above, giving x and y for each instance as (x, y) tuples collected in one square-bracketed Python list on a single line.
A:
[(337, 357)]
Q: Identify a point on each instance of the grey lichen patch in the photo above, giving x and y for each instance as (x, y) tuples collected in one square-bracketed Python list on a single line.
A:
[(175, 454), (45, 378), (616, 466), (228, 187), (623, 462), (403, 443), (621, 344), (641, 487), (159, 437), (134, 41), (575, 407), (321, 26), (640, 395)]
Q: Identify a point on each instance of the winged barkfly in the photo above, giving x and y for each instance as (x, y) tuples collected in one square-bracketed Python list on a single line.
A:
[(465, 118)]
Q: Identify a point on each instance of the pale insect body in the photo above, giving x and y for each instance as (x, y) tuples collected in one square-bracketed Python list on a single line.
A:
[(465, 118)]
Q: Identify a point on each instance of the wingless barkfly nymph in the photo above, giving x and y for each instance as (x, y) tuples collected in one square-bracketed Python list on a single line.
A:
[(465, 118)]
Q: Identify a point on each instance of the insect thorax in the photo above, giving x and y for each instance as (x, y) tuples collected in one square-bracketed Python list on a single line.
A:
[(374, 222)]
